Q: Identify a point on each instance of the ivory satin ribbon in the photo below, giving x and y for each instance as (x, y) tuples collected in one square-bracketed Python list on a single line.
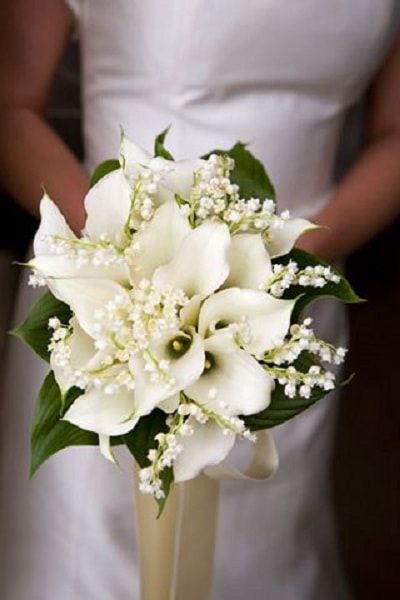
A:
[(176, 551)]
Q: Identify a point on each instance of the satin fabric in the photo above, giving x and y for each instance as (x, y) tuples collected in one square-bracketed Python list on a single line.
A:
[(280, 75)]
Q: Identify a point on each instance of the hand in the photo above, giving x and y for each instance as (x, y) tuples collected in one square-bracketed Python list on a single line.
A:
[(320, 242)]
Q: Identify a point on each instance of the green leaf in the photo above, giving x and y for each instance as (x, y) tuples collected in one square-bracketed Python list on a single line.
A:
[(249, 173), (342, 290), (167, 481), (49, 433), (35, 331), (159, 148), (282, 408), (141, 439), (105, 167)]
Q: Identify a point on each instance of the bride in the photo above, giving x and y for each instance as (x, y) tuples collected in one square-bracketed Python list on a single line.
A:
[(282, 76)]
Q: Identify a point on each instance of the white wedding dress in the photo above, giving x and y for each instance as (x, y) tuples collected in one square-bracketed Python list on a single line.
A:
[(281, 76)]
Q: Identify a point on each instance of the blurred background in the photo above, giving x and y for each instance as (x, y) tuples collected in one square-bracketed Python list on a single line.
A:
[(367, 459)]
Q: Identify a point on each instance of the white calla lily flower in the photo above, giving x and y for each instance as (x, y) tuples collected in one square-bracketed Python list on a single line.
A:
[(283, 233), (52, 223), (249, 262), (107, 414), (132, 156), (268, 318), (233, 382), (201, 263), (176, 176), (208, 445), (59, 253), (185, 356), (179, 174), (53, 267), (158, 241), (107, 206), (88, 298)]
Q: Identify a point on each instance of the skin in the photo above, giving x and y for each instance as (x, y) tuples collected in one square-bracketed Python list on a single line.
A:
[(32, 155)]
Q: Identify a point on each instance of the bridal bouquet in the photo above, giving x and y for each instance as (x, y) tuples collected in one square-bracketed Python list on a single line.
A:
[(172, 325)]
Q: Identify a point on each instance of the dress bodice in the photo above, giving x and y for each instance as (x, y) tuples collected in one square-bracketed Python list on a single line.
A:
[(279, 75)]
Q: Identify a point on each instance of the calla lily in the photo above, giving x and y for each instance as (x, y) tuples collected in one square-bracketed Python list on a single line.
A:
[(104, 413), (107, 206), (86, 297), (267, 317), (249, 262), (52, 223), (233, 382), (281, 238), (178, 178), (177, 175), (184, 369), (201, 264), (208, 445), (57, 248), (158, 241), (53, 266)]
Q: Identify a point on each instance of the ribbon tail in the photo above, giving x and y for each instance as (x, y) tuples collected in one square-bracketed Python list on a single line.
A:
[(176, 551), (263, 465)]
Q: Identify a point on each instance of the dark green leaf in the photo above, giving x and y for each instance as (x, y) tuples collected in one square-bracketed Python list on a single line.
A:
[(167, 479), (35, 329), (159, 148), (282, 408), (141, 439), (342, 290), (107, 166), (249, 173), (49, 433)]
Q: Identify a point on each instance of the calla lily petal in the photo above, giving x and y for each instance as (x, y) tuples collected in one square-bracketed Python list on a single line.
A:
[(131, 156), (200, 265), (170, 405), (63, 266), (190, 312), (184, 371), (107, 205), (103, 413), (281, 239), (268, 317), (249, 262), (86, 296), (83, 352), (208, 445), (52, 223), (159, 240), (178, 175), (235, 384), (105, 448)]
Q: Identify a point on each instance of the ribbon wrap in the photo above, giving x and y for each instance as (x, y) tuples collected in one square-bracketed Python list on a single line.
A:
[(176, 551)]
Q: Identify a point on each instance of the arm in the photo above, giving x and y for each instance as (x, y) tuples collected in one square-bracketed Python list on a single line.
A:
[(368, 198), (32, 39)]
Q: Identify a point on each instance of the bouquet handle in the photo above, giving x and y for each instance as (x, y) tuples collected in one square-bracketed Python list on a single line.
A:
[(176, 551)]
